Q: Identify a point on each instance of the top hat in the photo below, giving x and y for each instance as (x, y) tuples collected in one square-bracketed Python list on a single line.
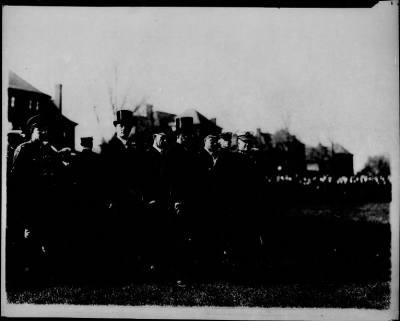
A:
[(86, 141), (226, 136), (123, 116), (184, 124), (37, 121)]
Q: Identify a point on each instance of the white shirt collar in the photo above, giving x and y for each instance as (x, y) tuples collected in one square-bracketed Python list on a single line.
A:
[(124, 142)]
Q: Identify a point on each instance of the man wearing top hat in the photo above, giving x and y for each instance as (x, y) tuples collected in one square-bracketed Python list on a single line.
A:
[(185, 190), (123, 171), (33, 202)]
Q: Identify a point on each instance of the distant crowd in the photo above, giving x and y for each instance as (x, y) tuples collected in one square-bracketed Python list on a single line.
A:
[(326, 188), (130, 211)]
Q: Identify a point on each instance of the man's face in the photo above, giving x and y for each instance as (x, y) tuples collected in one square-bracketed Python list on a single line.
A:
[(160, 141), (185, 139), (224, 143), (39, 134), (211, 144), (244, 146), (123, 130)]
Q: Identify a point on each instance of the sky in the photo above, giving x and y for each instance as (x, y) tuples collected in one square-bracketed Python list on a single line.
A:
[(326, 74)]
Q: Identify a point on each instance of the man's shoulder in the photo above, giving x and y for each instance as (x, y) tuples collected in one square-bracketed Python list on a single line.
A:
[(204, 155), (175, 150), (24, 147), (27, 144), (87, 154), (152, 152), (113, 142)]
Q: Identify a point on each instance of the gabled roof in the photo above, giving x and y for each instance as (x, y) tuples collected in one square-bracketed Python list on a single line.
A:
[(163, 114), (339, 149), (16, 82), (321, 151), (198, 118)]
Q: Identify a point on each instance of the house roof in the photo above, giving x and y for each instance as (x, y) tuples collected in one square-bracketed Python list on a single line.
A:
[(16, 82), (324, 151), (339, 149), (67, 121), (198, 118)]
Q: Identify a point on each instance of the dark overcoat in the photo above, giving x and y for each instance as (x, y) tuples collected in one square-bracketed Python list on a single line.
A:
[(157, 177), (34, 186)]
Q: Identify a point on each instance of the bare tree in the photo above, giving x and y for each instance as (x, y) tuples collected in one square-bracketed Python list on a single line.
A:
[(378, 165), (117, 100), (286, 117)]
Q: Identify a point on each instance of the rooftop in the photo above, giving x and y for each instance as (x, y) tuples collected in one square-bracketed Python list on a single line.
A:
[(16, 82)]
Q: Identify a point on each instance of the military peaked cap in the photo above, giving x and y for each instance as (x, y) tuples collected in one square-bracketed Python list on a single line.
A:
[(246, 137), (210, 137), (159, 134), (37, 121)]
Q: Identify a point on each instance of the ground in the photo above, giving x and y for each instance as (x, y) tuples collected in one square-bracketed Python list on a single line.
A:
[(315, 257), (374, 295)]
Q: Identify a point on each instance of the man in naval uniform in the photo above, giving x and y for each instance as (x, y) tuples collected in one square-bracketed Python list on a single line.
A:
[(34, 199)]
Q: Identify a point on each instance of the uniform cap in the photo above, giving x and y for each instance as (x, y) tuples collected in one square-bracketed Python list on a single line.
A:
[(37, 121), (210, 137), (159, 134), (245, 137)]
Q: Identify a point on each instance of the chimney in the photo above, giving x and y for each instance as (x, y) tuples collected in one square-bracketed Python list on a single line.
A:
[(58, 97), (149, 114), (214, 120), (149, 111)]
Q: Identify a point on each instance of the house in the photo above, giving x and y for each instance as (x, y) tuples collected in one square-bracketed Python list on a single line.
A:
[(25, 101), (289, 152), (334, 160), (202, 125), (342, 161)]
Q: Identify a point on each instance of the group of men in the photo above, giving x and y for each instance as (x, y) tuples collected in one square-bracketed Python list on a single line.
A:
[(174, 207)]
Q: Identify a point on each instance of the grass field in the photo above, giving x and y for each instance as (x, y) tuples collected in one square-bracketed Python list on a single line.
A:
[(314, 257)]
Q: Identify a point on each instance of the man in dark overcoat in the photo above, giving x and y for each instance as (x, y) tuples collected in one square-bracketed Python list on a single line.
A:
[(185, 174), (123, 184), (34, 198), (245, 228), (212, 211), (89, 210), (157, 204)]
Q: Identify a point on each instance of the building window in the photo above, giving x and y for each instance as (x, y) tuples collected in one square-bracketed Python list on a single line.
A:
[(30, 104), (12, 101), (37, 105)]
